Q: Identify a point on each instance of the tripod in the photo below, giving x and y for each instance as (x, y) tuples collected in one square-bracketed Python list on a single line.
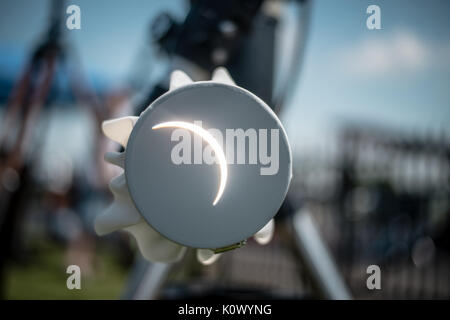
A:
[(242, 38), (18, 147)]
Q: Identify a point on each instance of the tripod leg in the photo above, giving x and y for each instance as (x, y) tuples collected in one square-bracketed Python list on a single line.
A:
[(318, 262), (146, 279)]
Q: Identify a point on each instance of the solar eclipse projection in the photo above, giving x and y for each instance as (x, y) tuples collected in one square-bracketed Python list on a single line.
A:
[(207, 165)]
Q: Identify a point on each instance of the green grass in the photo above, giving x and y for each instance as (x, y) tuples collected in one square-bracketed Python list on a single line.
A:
[(45, 278)]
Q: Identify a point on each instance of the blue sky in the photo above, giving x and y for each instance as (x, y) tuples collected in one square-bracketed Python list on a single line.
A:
[(397, 77), (111, 35)]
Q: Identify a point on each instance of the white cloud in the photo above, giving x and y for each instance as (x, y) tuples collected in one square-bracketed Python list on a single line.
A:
[(399, 52)]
